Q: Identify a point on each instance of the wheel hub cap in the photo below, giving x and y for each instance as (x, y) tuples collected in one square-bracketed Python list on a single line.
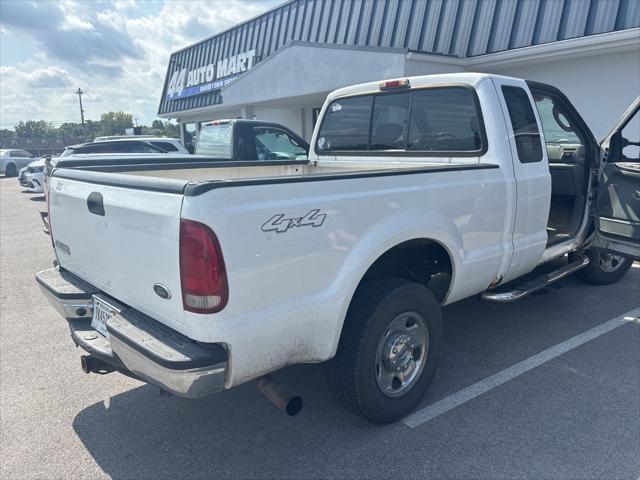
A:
[(397, 352), (401, 355), (609, 263)]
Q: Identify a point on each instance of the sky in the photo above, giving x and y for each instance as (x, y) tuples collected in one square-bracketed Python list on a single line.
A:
[(116, 51)]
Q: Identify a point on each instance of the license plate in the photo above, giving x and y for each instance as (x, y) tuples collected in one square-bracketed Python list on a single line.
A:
[(102, 312)]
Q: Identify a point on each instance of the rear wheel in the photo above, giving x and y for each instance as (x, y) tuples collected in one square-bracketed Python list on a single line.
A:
[(10, 171), (605, 268), (388, 350)]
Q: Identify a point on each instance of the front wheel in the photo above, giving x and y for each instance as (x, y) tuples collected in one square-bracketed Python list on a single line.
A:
[(388, 351), (605, 268), (11, 171)]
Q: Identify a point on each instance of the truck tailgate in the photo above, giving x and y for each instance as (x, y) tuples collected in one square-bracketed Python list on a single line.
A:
[(122, 240)]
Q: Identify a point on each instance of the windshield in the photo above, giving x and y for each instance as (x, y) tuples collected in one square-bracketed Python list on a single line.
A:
[(215, 140)]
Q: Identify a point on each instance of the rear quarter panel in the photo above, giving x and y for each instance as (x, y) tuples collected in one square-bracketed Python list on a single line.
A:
[(289, 291)]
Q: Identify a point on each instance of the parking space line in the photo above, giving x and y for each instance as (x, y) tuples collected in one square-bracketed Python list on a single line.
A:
[(469, 393)]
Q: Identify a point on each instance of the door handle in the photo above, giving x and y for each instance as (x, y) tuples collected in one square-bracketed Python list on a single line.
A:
[(95, 203), (637, 195)]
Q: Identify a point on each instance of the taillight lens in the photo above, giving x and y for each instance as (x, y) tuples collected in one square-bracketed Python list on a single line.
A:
[(202, 270)]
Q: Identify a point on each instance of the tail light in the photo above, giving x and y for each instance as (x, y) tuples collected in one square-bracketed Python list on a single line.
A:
[(202, 271)]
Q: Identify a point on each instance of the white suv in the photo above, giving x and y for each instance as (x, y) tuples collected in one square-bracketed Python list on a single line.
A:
[(13, 160), (169, 145)]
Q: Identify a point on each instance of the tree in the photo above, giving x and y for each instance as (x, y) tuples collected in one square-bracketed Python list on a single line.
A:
[(115, 123), (157, 125), (33, 128)]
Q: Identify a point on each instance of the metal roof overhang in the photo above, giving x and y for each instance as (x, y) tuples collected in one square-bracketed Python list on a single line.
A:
[(305, 69)]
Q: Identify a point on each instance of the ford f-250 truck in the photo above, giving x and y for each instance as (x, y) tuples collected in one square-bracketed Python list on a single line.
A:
[(418, 192)]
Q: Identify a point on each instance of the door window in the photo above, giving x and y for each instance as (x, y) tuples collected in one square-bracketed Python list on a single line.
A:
[(556, 126), (276, 144), (524, 124), (166, 146)]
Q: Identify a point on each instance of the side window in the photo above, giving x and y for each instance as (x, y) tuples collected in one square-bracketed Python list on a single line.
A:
[(346, 125), (141, 147), (275, 144), (389, 124), (523, 122), (444, 119), (166, 146)]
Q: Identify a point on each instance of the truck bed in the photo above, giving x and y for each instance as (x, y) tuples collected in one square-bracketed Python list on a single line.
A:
[(175, 174)]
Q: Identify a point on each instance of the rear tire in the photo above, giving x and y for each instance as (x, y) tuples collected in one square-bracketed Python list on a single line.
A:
[(10, 171), (388, 351), (605, 268)]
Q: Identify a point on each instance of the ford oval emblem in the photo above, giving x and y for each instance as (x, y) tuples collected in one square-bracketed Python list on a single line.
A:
[(162, 291)]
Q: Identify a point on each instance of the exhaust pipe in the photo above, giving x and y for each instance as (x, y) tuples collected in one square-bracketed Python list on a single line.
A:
[(91, 364), (280, 395)]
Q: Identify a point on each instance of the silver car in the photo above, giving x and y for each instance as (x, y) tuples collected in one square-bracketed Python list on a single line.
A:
[(12, 160)]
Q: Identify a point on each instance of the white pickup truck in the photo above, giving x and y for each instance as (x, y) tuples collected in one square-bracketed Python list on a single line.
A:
[(418, 192)]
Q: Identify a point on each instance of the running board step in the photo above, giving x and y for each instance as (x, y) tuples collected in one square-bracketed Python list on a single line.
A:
[(536, 284)]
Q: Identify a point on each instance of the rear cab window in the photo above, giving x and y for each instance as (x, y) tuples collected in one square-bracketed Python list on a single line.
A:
[(215, 140), (427, 121)]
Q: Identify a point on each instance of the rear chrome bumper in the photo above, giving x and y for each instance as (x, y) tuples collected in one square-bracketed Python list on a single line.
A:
[(136, 344)]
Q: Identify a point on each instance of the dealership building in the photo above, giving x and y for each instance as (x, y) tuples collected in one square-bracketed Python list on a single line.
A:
[(280, 65)]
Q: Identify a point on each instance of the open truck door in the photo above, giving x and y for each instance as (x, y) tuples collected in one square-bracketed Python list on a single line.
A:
[(617, 207)]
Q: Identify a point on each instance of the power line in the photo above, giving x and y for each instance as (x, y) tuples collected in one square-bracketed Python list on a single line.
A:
[(80, 92)]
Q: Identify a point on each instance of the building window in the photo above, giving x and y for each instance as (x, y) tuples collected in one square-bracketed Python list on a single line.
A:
[(29, 143), (14, 143), (189, 131), (59, 143), (44, 143), (315, 113)]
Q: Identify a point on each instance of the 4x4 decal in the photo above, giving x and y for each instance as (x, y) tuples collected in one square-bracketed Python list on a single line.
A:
[(279, 224)]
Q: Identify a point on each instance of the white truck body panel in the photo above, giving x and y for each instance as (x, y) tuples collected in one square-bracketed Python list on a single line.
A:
[(136, 240)]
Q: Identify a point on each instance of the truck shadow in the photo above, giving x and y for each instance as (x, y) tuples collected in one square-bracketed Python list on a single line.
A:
[(240, 434), (234, 434)]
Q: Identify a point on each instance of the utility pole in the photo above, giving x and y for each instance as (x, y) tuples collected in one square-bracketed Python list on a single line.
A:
[(80, 92)]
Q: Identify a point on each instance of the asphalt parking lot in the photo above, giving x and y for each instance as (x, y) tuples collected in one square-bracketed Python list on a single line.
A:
[(573, 415)]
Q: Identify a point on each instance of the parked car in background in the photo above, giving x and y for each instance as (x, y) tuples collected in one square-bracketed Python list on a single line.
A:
[(12, 160), (129, 144), (112, 146), (168, 144), (32, 176), (248, 140)]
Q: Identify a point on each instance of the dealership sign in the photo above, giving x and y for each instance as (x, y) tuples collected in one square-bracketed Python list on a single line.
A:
[(186, 83)]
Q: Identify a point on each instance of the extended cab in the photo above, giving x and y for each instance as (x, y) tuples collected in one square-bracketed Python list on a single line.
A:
[(250, 140), (418, 192)]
